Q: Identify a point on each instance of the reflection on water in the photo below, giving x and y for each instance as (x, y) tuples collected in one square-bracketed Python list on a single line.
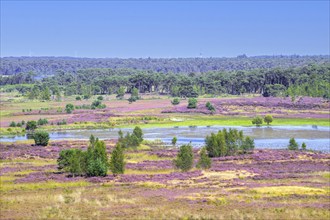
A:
[(316, 137)]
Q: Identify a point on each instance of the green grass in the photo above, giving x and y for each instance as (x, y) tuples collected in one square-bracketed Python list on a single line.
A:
[(10, 186), (229, 121)]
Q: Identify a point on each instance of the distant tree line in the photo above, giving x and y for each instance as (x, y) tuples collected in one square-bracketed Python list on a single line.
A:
[(311, 80), (45, 66)]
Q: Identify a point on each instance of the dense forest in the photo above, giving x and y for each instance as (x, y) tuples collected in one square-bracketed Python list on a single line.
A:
[(309, 80), (45, 66)]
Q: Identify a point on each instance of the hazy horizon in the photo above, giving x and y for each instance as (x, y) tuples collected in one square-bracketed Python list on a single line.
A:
[(223, 57)]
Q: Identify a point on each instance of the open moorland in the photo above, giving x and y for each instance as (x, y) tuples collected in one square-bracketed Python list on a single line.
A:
[(264, 184), (187, 157), (157, 111)]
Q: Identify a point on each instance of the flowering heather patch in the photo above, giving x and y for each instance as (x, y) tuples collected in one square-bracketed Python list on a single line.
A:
[(36, 177), (300, 103), (164, 153), (90, 116), (150, 165), (274, 164), (201, 108), (264, 181), (19, 167), (247, 106), (161, 178), (11, 151)]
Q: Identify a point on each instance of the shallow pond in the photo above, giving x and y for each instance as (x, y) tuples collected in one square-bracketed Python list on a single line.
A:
[(275, 137)]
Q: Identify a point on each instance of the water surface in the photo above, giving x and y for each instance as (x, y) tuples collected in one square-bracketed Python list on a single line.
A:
[(275, 137)]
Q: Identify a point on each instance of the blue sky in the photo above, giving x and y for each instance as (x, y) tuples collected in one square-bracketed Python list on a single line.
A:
[(164, 29)]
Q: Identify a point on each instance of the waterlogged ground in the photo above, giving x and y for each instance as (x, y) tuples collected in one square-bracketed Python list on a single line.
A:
[(266, 184), (160, 107), (273, 137)]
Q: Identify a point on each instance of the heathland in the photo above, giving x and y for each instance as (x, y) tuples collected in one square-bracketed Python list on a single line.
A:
[(228, 179)]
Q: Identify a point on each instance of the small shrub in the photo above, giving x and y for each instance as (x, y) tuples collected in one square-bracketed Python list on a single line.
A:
[(210, 107), (268, 119), (100, 97), (31, 125), (174, 140), (63, 122), (132, 99), (257, 121), (78, 98), (23, 122), (204, 161), (175, 101), (18, 124), (41, 138), (12, 124), (192, 103), (42, 121), (69, 108), (293, 145), (247, 145), (185, 158), (303, 146), (97, 104)]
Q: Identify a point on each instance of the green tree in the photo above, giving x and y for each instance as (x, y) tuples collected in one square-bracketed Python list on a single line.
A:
[(41, 138), (185, 158), (120, 92), (293, 145), (63, 160), (134, 95), (138, 133), (192, 103), (174, 140), (45, 94), (69, 108), (204, 161), (117, 163), (303, 146), (257, 121), (247, 145), (31, 125), (97, 160), (77, 163), (12, 124), (268, 119), (210, 107), (175, 101)]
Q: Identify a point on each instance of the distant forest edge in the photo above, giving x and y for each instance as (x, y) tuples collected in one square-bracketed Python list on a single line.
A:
[(44, 66), (308, 80)]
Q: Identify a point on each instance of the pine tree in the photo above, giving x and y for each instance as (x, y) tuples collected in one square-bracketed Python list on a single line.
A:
[(138, 133), (117, 164), (174, 140), (293, 145), (185, 158), (204, 161)]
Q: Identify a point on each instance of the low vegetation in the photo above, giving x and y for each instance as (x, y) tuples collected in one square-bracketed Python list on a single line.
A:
[(227, 143), (41, 138)]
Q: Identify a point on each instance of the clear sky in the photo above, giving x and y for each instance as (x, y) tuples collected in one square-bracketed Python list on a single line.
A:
[(164, 29)]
